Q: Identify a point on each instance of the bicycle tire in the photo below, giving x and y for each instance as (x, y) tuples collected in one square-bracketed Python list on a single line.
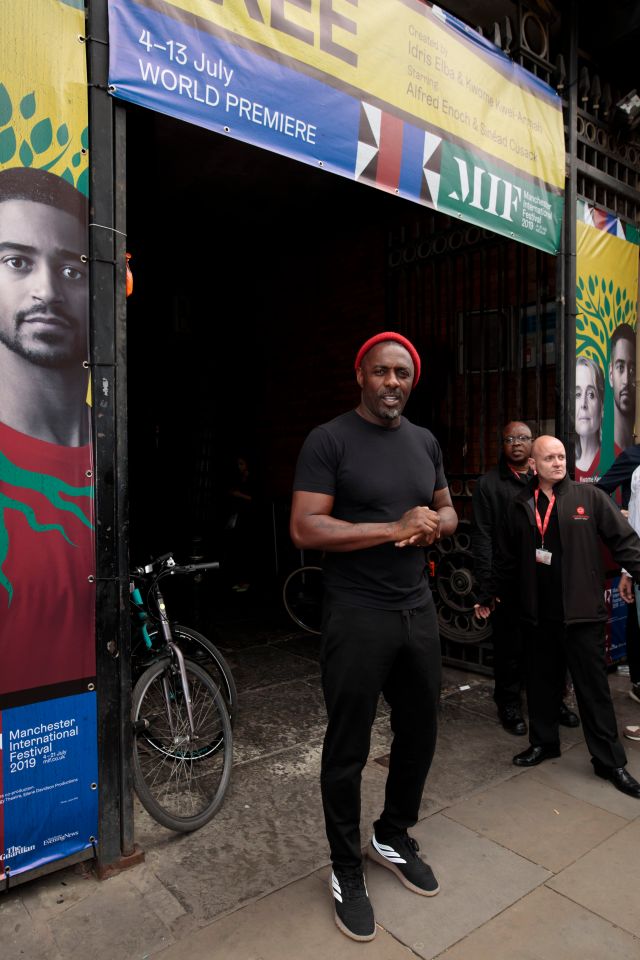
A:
[(195, 646), (180, 783), (302, 598)]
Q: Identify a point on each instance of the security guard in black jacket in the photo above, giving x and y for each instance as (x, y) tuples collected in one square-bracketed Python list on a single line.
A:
[(549, 559), (492, 496)]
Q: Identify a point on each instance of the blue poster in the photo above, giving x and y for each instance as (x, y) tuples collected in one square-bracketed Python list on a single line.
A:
[(616, 631), (48, 792)]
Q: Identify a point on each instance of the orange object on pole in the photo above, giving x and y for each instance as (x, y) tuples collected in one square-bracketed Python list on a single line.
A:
[(129, 276)]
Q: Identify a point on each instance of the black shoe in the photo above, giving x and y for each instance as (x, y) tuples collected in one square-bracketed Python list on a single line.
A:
[(512, 721), (619, 777), (400, 856), (353, 910), (535, 755), (567, 717)]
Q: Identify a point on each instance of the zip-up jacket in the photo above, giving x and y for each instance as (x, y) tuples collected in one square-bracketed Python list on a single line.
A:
[(493, 494), (586, 516), (620, 472)]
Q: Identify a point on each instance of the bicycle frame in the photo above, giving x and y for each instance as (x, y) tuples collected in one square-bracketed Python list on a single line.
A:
[(166, 564), (176, 652)]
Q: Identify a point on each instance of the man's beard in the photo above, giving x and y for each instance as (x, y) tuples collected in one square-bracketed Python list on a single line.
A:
[(387, 413), (624, 403), (51, 349)]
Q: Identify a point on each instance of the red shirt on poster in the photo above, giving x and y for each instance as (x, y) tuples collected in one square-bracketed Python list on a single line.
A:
[(47, 603)]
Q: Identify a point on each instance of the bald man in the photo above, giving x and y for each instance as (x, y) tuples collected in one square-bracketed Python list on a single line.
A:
[(492, 496), (370, 492), (549, 562)]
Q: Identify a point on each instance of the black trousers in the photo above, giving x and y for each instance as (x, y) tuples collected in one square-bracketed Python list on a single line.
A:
[(550, 648), (366, 652), (508, 657)]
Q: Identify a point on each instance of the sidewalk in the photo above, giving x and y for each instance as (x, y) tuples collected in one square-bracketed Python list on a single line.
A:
[(533, 865)]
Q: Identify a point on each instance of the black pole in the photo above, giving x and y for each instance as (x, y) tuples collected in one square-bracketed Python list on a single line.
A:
[(107, 245), (566, 359)]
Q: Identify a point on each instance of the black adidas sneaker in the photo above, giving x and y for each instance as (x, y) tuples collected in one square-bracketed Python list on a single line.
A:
[(401, 857), (353, 910)]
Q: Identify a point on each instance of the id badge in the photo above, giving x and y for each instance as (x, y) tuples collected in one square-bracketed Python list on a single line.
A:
[(543, 556)]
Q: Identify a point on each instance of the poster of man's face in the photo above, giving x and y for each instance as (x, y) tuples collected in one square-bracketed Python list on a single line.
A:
[(43, 279), (622, 377)]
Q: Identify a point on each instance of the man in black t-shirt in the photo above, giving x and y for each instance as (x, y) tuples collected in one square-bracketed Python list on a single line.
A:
[(370, 491)]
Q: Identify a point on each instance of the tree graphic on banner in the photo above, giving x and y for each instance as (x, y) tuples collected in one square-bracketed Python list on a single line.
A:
[(28, 139), (53, 489), (600, 308)]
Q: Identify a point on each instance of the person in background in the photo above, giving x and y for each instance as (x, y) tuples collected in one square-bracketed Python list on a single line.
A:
[(622, 476), (492, 495), (491, 498), (549, 560), (239, 525), (627, 588)]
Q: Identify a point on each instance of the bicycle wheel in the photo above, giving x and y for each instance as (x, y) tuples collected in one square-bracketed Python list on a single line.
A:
[(181, 778), (195, 646), (302, 596)]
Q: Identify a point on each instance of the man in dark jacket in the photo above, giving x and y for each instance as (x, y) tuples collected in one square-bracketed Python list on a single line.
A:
[(618, 476), (492, 496), (620, 472), (549, 560)]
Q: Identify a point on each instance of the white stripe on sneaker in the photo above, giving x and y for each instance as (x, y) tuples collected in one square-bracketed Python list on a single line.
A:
[(387, 852), (336, 887)]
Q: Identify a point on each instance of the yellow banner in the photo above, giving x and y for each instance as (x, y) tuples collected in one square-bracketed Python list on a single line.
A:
[(43, 92), (606, 346), (409, 57)]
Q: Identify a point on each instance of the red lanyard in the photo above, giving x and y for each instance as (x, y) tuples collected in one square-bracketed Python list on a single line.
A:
[(543, 524)]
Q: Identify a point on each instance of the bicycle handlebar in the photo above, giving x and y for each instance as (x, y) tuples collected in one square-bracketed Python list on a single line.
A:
[(194, 567), (165, 566)]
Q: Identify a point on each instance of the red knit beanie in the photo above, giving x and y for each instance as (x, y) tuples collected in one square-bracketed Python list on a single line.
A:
[(397, 338)]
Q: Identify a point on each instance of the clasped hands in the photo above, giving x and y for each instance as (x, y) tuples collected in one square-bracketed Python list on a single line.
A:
[(418, 527)]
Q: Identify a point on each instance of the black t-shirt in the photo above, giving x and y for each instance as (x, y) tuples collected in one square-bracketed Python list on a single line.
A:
[(375, 474), (549, 575)]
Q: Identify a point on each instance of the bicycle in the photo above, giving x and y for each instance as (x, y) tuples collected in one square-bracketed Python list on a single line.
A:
[(302, 597), (451, 579), (183, 744)]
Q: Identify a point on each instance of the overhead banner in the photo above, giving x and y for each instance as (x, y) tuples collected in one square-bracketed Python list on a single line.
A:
[(394, 93), (48, 726)]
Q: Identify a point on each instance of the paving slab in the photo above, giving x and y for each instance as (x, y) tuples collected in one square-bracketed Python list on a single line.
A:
[(478, 879), (269, 832), (262, 666), (293, 923), (265, 835), (573, 774), (21, 937), (115, 922), (545, 825), (546, 926), (306, 645), (278, 717), (472, 751), (607, 879)]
